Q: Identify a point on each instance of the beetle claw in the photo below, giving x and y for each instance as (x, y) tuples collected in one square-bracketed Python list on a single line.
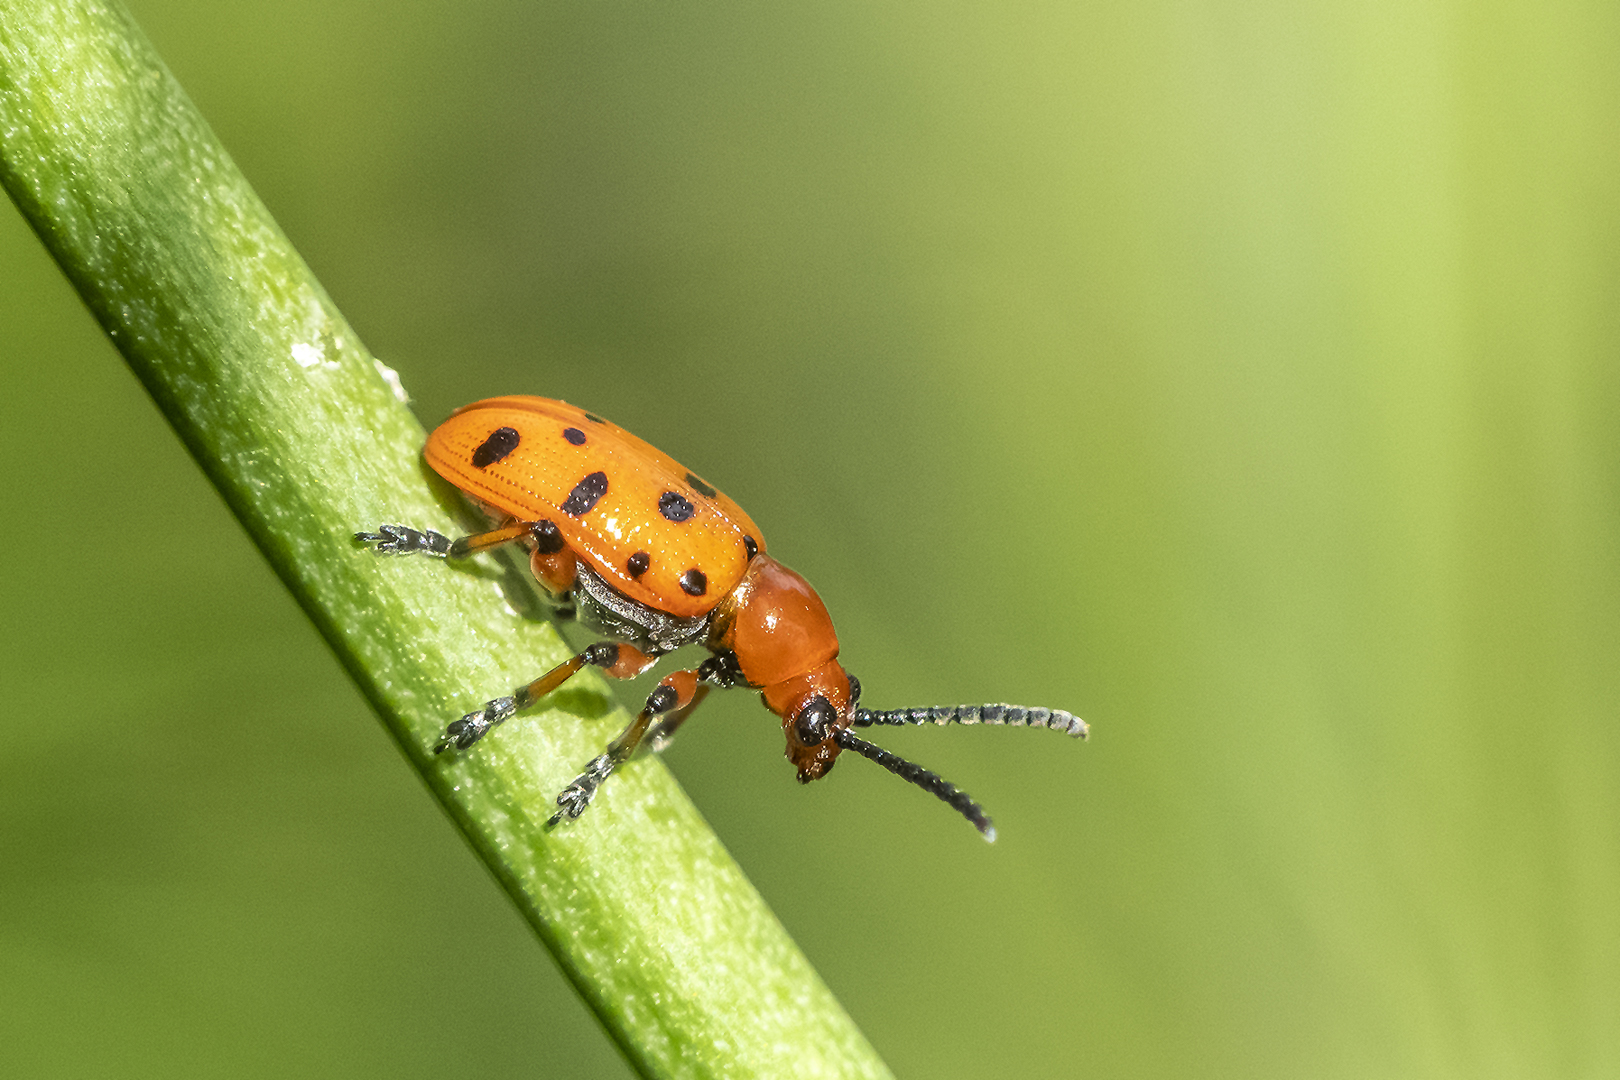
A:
[(475, 725), (577, 796)]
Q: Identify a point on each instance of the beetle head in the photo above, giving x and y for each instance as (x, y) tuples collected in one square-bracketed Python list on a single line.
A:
[(814, 708)]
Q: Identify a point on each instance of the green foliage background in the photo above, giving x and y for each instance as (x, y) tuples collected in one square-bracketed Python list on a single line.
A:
[(1241, 376)]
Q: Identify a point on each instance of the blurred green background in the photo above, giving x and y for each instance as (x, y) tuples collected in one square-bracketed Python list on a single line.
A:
[(1242, 376)]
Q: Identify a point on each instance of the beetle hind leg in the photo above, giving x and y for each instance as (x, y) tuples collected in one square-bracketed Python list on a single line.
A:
[(404, 540)]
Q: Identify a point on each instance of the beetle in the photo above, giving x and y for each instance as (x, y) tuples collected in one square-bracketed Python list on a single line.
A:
[(652, 557)]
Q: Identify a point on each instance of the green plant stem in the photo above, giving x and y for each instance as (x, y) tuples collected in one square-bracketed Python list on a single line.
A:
[(299, 429)]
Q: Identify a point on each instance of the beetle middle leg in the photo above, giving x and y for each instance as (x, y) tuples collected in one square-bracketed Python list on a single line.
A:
[(676, 694), (617, 661)]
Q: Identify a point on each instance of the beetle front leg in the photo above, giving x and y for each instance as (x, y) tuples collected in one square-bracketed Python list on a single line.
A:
[(676, 694), (617, 661), (663, 733)]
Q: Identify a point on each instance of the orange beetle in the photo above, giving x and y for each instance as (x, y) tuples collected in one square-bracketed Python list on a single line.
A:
[(654, 558)]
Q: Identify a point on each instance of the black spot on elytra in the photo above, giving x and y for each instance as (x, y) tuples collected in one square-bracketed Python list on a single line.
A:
[(501, 441), (593, 418), (548, 539), (637, 564), (574, 435), (585, 494), (675, 507), (694, 583), (700, 487)]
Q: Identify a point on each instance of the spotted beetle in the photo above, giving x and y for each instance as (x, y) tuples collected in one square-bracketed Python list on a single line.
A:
[(652, 557)]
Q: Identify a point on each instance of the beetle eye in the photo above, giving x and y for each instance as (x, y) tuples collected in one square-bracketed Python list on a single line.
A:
[(811, 724)]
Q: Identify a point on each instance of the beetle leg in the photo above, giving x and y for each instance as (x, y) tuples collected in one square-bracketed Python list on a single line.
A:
[(404, 540), (616, 660), (663, 733), (675, 694), (556, 569), (552, 561)]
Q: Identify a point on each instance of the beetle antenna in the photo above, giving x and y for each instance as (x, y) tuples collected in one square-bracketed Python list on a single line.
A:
[(930, 782), (1013, 715)]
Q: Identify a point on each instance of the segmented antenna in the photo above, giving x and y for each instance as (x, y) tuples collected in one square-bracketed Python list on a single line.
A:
[(1014, 715), (920, 776)]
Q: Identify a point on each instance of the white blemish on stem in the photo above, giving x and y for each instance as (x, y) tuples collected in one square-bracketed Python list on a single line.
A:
[(391, 377)]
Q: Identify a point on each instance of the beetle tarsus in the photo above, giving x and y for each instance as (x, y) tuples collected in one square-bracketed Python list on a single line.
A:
[(404, 540), (475, 725), (577, 796)]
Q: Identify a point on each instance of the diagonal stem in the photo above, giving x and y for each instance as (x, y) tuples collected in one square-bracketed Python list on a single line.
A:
[(297, 426)]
